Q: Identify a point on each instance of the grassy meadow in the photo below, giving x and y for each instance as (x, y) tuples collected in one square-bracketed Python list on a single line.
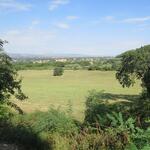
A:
[(45, 90)]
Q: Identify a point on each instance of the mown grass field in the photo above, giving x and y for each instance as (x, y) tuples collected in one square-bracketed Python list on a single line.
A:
[(45, 90)]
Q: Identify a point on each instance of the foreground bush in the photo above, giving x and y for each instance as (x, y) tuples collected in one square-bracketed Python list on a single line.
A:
[(53, 121), (57, 130), (107, 126), (35, 131), (97, 108), (5, 113), (86, 140), (95, 139), (23, 136), (119, 119)]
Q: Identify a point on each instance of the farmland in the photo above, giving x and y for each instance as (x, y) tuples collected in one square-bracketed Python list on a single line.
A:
[(44, 90)]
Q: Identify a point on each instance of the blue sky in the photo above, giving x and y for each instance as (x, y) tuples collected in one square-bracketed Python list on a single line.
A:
[(93, 27)]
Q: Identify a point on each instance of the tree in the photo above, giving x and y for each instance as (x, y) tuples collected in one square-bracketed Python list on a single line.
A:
[(58, 71), (10, 85), (135, 64)]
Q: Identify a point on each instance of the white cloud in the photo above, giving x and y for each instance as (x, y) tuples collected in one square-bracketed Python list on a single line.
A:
[(62, 25), (28, 41), (35, 22), (49, 42), (13, 32), (54, 4), (109, 18), (142, 27), (136, 20), (72, 17), (14, 5)]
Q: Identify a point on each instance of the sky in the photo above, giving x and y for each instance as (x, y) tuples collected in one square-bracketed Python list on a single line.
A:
[(88, 27)]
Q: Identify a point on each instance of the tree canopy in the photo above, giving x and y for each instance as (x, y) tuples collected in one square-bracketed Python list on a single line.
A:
[(135, 64), (10, 85)]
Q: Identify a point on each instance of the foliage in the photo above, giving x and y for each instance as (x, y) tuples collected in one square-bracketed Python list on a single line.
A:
[(5, 114), (38, 130), (97, 109), (59, 64), (55, 121), (107, 125), (58, 71), (102, 64), (23, 136), (119, 119), (9, 83), (105, 140), (135, 64), (51, 121)]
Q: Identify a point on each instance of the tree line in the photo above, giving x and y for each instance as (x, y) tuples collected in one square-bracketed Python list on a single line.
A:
[(102, 64)]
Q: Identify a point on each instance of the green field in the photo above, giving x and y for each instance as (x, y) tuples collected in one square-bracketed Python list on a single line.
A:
[(45, 90)]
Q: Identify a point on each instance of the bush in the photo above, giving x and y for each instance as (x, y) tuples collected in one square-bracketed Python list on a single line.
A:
[(15, 130), (105, 140), (58, 71), (93, 67), (52, 121), (97, 108), (38, 130), (23, 136), (5, 114), (126, 121)]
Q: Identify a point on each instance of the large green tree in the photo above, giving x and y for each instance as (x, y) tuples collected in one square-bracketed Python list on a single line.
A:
[(135, 64), (10, 85)]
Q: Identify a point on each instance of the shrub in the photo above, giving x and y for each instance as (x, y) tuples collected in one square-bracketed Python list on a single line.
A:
[(93, 67), (54, 121), (23, 136), (97, 109), (123, 121), (5, 114), (58, 71), (76, 67)]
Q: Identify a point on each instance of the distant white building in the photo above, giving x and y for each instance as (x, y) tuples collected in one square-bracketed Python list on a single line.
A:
[(41, 61), (61, 60)]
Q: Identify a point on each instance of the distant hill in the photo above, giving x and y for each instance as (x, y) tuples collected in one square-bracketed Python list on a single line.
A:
[(25, 56), (48, 56)]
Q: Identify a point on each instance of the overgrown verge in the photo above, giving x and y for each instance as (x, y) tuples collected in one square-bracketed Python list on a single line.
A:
[(125, 124), (107, 126)]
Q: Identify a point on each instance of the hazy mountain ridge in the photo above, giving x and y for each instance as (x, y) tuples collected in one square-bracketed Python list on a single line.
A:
[(47, 56)]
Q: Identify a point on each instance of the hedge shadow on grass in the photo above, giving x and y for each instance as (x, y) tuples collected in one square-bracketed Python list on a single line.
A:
[(23, 137)]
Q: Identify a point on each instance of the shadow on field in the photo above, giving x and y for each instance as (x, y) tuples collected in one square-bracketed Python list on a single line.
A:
[(21, 138), (100, 104), (110, 96)]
